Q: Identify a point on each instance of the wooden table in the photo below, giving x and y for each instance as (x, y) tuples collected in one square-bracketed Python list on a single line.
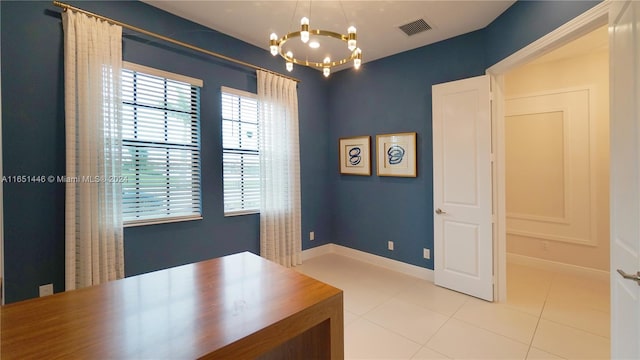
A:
[(235, 307)]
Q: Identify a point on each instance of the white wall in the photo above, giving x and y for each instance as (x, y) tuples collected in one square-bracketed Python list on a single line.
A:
[(566, 193)]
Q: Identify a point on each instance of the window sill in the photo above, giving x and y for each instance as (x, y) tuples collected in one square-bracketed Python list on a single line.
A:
[(134, 223), (240, 213)]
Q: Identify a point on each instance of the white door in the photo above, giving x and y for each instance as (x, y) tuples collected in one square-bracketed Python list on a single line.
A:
[(463, 241), (624, 42)]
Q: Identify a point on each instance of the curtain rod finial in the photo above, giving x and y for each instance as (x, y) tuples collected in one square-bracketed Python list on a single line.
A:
[(64, 7)]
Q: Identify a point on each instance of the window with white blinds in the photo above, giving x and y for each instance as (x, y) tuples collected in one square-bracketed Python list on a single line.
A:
[(160, 146), (240, 152)]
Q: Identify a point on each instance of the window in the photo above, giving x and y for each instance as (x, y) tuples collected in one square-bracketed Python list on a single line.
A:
[(241, 174), (160, 146)]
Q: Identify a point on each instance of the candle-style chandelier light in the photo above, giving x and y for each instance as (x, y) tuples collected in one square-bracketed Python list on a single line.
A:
[(314, 40)]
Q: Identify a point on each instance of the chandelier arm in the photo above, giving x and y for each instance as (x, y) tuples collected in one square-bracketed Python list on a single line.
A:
[(317, 32)]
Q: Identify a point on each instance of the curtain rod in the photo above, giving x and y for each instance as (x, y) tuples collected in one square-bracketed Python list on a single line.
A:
[(66, 7)]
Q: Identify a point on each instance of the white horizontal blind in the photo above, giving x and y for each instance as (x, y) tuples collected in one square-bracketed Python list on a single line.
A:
[(161, 149), (241, 174)]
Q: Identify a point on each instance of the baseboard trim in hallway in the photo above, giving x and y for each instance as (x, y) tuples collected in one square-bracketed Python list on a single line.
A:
[(554, 266)]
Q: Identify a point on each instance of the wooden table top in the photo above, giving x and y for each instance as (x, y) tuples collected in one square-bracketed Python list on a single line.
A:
[(182, 312)]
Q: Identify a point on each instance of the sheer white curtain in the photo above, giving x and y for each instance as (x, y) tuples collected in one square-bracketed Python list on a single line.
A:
[(280, 228), (93, 217)]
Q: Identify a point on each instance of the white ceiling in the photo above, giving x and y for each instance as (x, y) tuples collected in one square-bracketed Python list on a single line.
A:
[(377, 21)]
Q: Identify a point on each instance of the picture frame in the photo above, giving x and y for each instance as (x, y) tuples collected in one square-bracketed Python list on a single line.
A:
[(355, 155), (396, 154)]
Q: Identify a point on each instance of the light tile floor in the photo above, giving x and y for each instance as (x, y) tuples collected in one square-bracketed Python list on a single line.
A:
[(389, 315)]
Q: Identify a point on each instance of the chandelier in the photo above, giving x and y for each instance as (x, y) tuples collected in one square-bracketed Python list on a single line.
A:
[(305, 52)]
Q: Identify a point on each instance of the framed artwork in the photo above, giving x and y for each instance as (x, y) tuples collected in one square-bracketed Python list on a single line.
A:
[(396, 154), (355, 155)]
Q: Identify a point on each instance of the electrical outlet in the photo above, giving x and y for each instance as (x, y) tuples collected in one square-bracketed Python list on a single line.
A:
[(312, 235), (46, 290), (545, 245), (390, 245), (426, 253)]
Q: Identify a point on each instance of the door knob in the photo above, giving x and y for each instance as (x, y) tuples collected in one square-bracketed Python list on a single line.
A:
[(440, 211), (630, 276)]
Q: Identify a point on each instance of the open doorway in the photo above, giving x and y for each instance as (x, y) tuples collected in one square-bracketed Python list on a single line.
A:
[(624, 244), (556, 132), (589, 21)]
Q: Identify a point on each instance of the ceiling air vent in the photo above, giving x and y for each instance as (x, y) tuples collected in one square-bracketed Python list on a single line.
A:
[(415, 27)]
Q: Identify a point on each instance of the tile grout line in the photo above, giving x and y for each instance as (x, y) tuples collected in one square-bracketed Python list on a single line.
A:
[(544, 304), (492, 331), (450, 317), (433, 335), (577, 328), (533, 336), (420, 346), (401, 335), (572, 326), (535, 330)]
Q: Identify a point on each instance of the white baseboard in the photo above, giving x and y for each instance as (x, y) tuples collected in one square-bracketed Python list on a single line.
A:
[(317, 251), (395, 265), (427, 274), (556, 266)]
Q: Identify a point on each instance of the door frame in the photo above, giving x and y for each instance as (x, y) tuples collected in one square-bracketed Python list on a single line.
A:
[(575, 28), (2, 277)]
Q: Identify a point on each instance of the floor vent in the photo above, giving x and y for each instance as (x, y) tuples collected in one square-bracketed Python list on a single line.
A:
[(415, 27)]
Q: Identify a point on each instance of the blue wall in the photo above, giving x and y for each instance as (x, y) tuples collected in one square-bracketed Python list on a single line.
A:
[(394, 95), (33, 143), (388, 95)]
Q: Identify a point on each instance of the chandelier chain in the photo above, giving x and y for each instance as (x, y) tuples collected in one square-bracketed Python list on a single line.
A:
[(344, 13), (293, 15)]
